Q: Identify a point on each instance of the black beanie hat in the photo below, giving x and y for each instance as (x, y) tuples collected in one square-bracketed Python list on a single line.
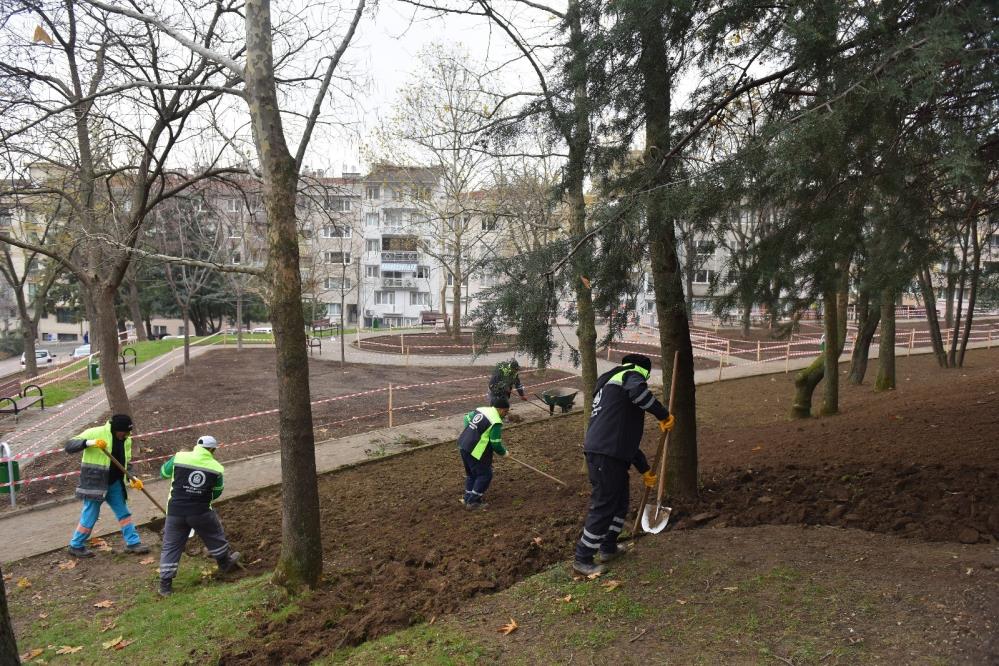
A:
[(501, 403), (638, 360), (121, 423)]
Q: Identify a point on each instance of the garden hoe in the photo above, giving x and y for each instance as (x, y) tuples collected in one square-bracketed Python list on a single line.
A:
[(654, 517)]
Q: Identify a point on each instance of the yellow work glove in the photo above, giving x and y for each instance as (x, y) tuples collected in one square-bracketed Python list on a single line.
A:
[(136, 483), (667, 423), (101, 444), (650, 479)]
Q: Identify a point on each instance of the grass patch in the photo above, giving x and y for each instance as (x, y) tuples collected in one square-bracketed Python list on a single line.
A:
[(422, 644), (189, 627)]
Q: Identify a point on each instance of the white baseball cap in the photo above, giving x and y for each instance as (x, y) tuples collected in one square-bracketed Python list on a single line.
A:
[(208, 442)]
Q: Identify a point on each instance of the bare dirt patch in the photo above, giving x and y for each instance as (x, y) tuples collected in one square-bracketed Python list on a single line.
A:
[(224, 383)]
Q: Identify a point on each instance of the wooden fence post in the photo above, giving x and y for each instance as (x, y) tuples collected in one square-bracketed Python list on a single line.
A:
[(912, 340), (787, 359), (721, 363), (390, 405), (759, 357)]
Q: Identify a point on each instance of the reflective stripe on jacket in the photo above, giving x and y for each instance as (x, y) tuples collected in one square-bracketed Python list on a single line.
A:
[(196, 481), (482, 434)]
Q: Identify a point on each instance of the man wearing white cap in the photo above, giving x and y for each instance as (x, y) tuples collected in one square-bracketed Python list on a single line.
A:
[(196, 481)]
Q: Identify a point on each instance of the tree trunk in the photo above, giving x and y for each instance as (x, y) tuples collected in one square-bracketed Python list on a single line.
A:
[(444, 315), (671, 308), (932, 320), (343, 336), (575, 175), (804, 386), (185, 312), (949, 292), (961, 278), (869, 314), (301, 559), (239, 319), (456, 295), (149, 328), (830, 400), (29, 333), (8, 643), (747, 314), (135, 310), (885, 380), (976, 266), (106, 338)]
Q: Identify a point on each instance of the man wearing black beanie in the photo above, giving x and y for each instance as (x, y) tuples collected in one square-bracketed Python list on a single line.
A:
[(612, 446)]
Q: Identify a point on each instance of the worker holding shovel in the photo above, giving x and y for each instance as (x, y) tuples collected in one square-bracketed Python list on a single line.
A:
[(100, 482), (196, 480), (477, 442), (612, 446)]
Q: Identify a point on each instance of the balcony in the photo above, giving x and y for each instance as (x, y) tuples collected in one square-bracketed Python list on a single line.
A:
[(399, 257), (399, 283)]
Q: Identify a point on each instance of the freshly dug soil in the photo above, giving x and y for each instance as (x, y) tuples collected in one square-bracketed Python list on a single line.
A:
[(435, 344), (399, 548), (225, 383)]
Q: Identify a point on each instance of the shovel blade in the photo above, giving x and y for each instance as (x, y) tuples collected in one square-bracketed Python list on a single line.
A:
[(655, 518)]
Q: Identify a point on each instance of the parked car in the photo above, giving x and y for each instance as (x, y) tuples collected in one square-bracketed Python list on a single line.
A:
[(81, 352), (263, 329), (41, 356)]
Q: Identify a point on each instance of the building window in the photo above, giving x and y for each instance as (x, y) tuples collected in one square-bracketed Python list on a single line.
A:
[(337, 204), (373, 192), (335, 231), (423, 272), (384, 298), (703, 250), (372, 245), (703, 276), (337, 283), (371, 271), (371, 220), (333, 310), (232, 205), (236, 258), (419, 298), (6, 218), (450, 280), (65, 316), (342, 258), (489, 224)]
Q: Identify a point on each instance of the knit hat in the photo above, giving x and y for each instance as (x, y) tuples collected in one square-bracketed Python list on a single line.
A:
[(207, 442), (639, 360), (121, 423), (500, 402)]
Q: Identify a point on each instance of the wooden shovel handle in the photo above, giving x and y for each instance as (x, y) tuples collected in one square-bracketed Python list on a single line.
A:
[(124, 471), (660, 452)]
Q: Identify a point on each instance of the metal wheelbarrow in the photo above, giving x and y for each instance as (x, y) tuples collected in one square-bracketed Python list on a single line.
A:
[(558, 397)]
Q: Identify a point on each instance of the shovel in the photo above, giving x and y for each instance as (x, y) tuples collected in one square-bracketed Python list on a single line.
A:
[(653, 518), (114, 461)]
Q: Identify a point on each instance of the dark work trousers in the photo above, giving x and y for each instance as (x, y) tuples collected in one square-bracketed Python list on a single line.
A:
[(175, 532), (477, 477), (608, 506)]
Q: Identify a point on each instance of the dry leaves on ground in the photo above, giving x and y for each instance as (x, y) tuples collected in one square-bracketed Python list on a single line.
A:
[(611, 585), (107, 645), (109, 625), (124, 644), (509, 627), (147, 560), (69, 649), (23, 583), (106, 603), (31, 654), (69, 564)]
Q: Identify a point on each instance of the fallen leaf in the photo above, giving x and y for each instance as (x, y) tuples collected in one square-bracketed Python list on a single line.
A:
[(757, 448), (432, 620), (147, 560), (730, 589), (107, 645), (594, 576), (567, 598), (508, 628), (206, 573), (536, 541), (107, 603), (124, 644), (109, 625), (70, 564), (23, 583), (101, 545), (256, 561), (42, 616), (31, 654), (7, 577), (69, 649), (681, 601), (585, 281), (611, 585)]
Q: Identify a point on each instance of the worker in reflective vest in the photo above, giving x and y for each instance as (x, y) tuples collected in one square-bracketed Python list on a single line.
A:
[(196, 480), (100, 482), (612, 446), (477, 443)]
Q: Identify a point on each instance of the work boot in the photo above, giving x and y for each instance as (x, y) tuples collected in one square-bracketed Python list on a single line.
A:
[(622, 549), (587, 568), (82, 552), (475, 506), (137, 549), (230, 563), (166, 587)]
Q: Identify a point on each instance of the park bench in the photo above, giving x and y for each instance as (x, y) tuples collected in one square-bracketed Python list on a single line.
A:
[(431, 318), (128, 355), (313, 343), (14, 400)]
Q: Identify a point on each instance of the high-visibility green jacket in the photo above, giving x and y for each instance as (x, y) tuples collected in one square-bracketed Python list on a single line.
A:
[(197, 480), (482, 434), (95, 466)]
